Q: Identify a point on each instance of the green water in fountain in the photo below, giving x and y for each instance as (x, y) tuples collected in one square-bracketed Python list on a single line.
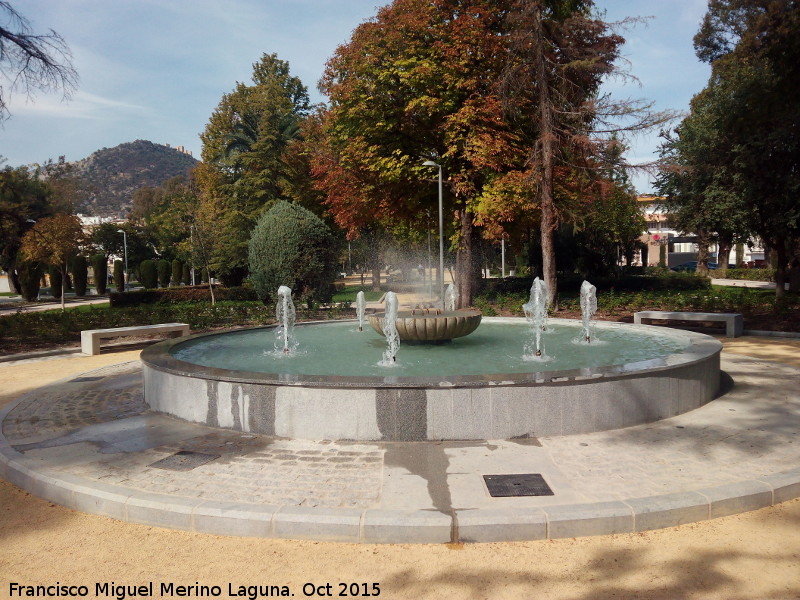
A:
[(496, 347)]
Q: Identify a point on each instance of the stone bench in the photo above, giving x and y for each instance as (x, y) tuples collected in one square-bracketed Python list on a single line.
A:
[(734, 322), (90, 338)]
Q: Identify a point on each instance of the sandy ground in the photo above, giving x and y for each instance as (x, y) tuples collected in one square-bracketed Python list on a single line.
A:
[(750, 556)]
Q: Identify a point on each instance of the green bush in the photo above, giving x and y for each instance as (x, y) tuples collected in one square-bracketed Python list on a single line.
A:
[(767, 274), (177, 271), (56, 282), (119, 276), (203, 275), (187, 274), (164, 269), (80, 274), (183, 294), (630, 283), (291, 246), (148, 276), (30, 278), (100, 270)]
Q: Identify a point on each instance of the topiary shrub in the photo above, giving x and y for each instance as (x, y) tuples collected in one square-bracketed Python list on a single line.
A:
[(187, 274), (119, 276), (56, 282), (182, 294), (80, 275), (164, 269), (30, 277), (100, 270), (148, 276), (177, 271), (203, 275), (292, 246)]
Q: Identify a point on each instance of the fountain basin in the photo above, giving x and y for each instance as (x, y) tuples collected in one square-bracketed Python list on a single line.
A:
[(421, 326), (451, 407)]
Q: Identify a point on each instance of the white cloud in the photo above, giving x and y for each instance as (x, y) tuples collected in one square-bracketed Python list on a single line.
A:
[(83, 105)]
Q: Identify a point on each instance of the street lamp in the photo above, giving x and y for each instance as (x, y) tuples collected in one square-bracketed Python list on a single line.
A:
[(430, 163), (125, 251)]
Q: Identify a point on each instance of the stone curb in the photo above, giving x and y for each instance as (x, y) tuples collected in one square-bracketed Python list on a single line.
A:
[(396, 526)]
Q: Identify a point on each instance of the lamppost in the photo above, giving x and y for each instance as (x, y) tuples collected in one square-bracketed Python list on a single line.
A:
[(125, 252), (430, 163)]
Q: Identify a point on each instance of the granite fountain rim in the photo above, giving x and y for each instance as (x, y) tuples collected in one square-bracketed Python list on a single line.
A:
[(701, 346)]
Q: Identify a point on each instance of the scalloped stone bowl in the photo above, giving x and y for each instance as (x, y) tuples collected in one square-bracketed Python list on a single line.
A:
[(422, 326)]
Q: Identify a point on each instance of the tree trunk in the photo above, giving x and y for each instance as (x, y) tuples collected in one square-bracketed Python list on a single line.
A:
[(739, 255), (779, 252), (723, 255), (794, 267), (465, 267), (13, 279), (545, 146), (63, 288), (702, 252), (376, 276)]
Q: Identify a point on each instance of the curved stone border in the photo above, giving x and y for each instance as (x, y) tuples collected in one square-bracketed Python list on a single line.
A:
[(396, 526), (392, 526), (551, 403)]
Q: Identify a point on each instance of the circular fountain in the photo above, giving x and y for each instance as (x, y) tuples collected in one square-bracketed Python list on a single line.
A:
[(511, 378)]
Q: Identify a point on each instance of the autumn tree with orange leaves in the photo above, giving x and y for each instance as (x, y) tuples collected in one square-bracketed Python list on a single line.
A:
[(54, 241), (503, 94)]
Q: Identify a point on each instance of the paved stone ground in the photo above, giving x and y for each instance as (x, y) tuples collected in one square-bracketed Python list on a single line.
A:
[(96, 427)]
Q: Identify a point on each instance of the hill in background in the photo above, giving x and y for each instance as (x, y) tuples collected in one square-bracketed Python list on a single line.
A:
[(110, 176)]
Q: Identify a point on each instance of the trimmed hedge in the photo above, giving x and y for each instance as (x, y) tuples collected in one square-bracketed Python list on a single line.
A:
[(147, 274), (164, 269), (625, 283), (176, 295), (80, 275), (30, 279), (56, 282), (767, 274), (100, 270), (177, 271), (119, 276)]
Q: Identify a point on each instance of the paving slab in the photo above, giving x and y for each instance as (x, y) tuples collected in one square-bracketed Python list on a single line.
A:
[(92, 444)]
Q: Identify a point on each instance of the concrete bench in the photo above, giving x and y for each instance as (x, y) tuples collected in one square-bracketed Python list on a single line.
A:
[(90, 338), (734, 323)]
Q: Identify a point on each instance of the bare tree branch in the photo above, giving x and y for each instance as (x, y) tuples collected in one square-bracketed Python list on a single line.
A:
[(31, 62)]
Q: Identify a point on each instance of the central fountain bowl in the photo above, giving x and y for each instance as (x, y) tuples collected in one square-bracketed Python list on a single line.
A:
[(474, 388), (430, 325)]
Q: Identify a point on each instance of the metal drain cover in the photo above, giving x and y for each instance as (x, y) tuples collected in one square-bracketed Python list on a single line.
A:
[(526, 484), (185, 460), (82, 379)]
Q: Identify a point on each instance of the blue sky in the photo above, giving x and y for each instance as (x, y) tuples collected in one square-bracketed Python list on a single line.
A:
[(156, 69)]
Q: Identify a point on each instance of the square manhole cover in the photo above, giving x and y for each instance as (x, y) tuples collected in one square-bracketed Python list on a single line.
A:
[(185, 460), (82, 379), (526, 484)]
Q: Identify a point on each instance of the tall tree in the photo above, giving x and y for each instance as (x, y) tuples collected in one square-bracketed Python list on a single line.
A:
[(416, 82), (24, 199), (54, 241), (30, 61), (245, 168), (559, 53), (697, 181), (738, 152), (754, 50)]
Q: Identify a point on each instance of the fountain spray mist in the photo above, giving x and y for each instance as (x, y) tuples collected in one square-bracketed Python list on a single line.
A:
[(390, 330), (588, 308), (450, 296), (361, 307), (536, 313), (285, 315)]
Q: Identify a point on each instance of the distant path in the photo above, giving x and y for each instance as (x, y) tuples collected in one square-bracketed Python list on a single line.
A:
[(764, 285), (13, 304)]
